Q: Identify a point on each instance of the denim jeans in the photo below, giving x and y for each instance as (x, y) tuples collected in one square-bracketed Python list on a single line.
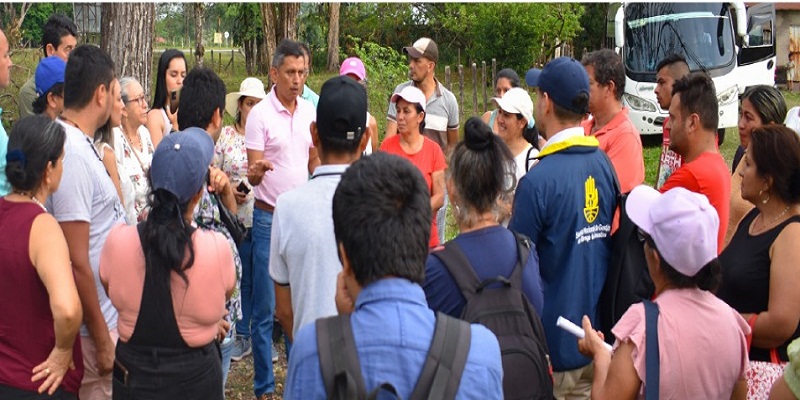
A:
[(226, 349), (263, 304), (246, 284)]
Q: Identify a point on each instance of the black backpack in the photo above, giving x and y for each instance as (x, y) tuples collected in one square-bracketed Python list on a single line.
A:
[(628, 280), (439, 378), (506, 311)]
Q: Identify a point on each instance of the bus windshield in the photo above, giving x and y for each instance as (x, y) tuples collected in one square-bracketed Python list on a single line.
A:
[(701, 32)]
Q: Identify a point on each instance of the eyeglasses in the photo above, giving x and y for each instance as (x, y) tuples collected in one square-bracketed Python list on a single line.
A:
[(642, 236), (142, 100)]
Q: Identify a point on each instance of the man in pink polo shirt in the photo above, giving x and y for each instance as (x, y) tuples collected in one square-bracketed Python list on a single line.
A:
[(610, 123), (280, 155)]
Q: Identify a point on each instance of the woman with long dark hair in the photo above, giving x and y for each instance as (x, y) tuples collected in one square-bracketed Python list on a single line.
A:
[(760, 273), (40, 311), (169, 282), (161, 120), (506, 80)]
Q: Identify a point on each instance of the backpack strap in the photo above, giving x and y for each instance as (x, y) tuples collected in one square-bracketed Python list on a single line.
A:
[(446, 359), (338, 358), (651, 353), (459, 267), (523, 251)]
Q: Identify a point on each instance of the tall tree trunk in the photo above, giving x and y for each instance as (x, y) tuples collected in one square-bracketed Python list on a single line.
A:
[(333, 37), (127, 35), (199, 16), (268, 20), (288, 27), (13, 30), (262, 60)]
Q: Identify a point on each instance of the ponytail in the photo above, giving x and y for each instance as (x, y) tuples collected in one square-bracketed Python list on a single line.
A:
[(167, 237)]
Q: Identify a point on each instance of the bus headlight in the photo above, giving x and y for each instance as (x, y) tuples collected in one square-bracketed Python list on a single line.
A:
[(729, 96), (638, 103)]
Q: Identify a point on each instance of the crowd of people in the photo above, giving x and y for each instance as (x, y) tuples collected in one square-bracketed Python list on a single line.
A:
[(145, 245)]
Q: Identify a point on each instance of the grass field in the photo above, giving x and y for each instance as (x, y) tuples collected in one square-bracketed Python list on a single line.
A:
[(241, 376)]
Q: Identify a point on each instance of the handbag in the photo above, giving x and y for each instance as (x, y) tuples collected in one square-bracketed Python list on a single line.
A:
[(762, 374), (232, 223)]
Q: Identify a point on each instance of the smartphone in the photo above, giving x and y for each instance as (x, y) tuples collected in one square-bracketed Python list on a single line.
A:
[(243, 188), (120, 373), (174, 100)]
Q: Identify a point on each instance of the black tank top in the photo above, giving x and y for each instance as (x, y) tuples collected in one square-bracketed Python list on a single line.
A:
[(156, 325), (745, 275)]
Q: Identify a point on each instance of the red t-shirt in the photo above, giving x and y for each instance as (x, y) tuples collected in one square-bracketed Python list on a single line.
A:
[(428, 160), (708, 175)]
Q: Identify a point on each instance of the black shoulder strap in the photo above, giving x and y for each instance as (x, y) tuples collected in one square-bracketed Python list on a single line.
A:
[(446, 359), (652, 361), (459, 267), (140, 229), (523, 252), (338, 358)]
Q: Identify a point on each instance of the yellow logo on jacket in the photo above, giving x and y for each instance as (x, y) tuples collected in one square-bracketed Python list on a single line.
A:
[(592, 205)]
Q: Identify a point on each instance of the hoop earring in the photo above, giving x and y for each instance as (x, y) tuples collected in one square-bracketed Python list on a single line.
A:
[(763, 201)]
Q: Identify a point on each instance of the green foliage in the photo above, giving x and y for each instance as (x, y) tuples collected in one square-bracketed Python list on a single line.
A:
[(516, 34), (37, 16), (391, 24), (386, 68), (593, 22), (312, 28)]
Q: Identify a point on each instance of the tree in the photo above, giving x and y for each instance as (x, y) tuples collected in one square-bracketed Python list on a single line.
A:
[(127, 35), (288, 21), (14, 16), (199, 16), (333, 37), (268, 21)]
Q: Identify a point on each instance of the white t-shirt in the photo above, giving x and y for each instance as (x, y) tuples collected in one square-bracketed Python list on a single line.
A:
[(87, 194), (303, 248), (793, 119), (525, 156)]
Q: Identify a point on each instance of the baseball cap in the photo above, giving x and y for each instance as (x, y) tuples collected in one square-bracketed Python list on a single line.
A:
[(49, 72), (683, 225), (563, 79), (342, 109), (424, 47), (353, 65), (180, 163), (252, 87), (411, 94), (516, 101)]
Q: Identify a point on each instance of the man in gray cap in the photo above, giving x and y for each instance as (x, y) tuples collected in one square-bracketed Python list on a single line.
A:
[(441, 111)]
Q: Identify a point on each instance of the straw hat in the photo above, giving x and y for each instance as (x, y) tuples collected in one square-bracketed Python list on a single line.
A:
[(252, 87)]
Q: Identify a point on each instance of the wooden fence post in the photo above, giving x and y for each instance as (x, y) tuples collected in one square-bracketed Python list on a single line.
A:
[(447, 82), (494, 76), (474, 70), (211, 64), (461, 88), (483, 84)]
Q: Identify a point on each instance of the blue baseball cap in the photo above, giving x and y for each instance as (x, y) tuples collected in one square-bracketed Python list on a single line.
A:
[(180, 163), (49, 72), (563, 79)]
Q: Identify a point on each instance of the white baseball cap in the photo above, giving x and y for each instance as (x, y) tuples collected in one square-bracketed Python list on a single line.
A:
[(411, 94), (252, 87), (516, 101), (683, 225)]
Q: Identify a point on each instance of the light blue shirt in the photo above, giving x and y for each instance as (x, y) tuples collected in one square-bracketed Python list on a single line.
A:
[(4, 186), (310, 95), (393, 329)]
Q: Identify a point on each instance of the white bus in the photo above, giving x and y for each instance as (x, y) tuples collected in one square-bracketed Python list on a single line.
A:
[(734, 45)]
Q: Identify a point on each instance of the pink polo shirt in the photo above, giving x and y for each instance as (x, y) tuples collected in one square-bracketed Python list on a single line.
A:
[(285, 139)]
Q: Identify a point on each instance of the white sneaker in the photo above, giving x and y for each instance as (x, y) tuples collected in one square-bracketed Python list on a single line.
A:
[(274, 353)]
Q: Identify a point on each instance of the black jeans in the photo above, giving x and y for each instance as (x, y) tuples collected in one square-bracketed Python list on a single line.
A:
[(158, 373), (10, 393)]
